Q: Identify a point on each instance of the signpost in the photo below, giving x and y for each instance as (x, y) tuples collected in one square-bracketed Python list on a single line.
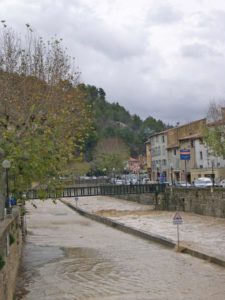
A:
[(185, 154), (177, 220)]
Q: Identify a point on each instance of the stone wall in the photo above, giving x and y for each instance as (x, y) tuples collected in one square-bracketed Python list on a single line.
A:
[(140, 198), (10, 253), (208, 202)]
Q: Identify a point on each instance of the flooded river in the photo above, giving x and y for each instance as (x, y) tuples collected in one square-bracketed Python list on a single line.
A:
[(67, 256)]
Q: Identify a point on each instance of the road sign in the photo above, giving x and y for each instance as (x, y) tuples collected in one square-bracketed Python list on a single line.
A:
[(76, 199), (177, 219), (185, 154)]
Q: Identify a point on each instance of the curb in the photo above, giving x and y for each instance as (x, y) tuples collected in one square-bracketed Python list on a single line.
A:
[(147, 236)]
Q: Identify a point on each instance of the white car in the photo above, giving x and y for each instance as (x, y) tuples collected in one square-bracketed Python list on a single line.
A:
[(182, 184), (222, 183), (119, 182), (203, 182)]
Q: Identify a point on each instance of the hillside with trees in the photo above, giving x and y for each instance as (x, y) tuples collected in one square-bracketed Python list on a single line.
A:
[(111, 120)]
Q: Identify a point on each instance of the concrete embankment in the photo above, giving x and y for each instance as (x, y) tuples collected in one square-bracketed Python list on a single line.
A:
[(147, 235)]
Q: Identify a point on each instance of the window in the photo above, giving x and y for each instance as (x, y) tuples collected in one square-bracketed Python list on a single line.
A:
[(201, 155), (174, 151), (163, 139)]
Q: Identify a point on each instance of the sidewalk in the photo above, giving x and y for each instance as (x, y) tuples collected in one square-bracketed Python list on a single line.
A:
[(204, 234)]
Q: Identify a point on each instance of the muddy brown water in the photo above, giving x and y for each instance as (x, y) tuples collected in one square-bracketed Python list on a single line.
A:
[(70, 257)]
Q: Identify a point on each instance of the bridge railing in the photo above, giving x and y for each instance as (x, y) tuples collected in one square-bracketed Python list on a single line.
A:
[(100, 191)]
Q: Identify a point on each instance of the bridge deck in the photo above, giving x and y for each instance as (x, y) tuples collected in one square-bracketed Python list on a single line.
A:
[(101, 190)]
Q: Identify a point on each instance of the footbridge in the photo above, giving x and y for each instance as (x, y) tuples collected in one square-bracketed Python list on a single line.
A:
[(101, 190)]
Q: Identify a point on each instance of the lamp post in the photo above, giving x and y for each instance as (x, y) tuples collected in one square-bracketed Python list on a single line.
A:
[(157, 173), (104, 175), (113, 175), (6, 165), (213, 175), (125, 172), (171, 173)]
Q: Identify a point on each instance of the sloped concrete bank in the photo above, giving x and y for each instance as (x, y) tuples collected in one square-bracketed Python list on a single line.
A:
[(146, 235)]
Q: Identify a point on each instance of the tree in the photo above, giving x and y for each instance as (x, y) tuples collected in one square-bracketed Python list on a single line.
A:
[(44, 119), (136, 122), (214, 135), (111, 153)]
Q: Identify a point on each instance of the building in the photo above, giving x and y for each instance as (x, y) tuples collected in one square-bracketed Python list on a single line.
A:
[(183, 138), (164, 159), (133, 165), (156, 154)]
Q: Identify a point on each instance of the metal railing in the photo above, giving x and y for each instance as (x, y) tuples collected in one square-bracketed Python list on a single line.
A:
[(100, 191)]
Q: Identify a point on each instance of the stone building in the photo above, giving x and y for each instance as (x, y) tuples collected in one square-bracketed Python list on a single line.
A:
[(156, 153), (163, 152)]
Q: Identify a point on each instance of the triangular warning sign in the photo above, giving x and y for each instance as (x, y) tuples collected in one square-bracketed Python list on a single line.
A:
[(177, 216), (177, 219)]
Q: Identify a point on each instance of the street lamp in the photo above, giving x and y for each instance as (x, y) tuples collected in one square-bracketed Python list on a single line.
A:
[(6, 165), (113, 175), (157, 173), (213, 175), (171, 173), (125, 172)]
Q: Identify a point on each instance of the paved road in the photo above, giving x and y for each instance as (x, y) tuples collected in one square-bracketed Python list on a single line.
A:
[(70, 257)]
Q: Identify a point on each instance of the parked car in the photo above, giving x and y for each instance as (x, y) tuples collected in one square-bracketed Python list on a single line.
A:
[(145, 181), (222, 183), (182, 184), (167, 183), (119, 182), (203, 182)]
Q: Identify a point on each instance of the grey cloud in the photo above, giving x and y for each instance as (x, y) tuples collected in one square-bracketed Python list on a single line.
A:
[(209, 27), (198, 50), (115, 43), (167, 82), (163, 15)]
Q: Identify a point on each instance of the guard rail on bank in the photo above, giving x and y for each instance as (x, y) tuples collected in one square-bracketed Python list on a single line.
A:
[(102, 190)]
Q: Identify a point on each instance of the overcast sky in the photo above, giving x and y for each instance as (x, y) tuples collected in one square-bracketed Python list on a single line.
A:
[(160, 58)]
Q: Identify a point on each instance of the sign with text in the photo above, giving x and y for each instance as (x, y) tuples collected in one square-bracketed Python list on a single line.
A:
[(185, 154)]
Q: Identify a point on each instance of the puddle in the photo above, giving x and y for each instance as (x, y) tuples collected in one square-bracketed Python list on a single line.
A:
[(81, 252), (34, 256)]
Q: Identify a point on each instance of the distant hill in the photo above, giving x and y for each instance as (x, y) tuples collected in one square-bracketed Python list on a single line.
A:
[(113, 120)]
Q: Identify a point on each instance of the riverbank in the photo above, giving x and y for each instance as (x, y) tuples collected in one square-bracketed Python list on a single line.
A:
[(200, 236), (67, 256)]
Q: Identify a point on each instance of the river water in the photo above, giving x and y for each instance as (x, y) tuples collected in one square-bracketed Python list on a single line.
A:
[(67, 256)]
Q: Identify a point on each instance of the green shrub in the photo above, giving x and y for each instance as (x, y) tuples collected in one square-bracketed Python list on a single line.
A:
[(11, 239), (2, 262)]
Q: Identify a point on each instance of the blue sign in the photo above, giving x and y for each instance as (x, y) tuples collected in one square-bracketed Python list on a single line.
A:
[(162, 178), (185, 154)]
